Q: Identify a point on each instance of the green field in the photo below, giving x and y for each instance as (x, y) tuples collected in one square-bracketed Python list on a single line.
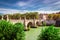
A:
[(33, 33)]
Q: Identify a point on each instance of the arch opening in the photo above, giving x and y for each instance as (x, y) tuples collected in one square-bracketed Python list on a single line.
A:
[(0, 17), (29, 24), (38, 23)]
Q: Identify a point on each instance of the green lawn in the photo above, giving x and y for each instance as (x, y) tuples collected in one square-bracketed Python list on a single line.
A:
[(33, 33)]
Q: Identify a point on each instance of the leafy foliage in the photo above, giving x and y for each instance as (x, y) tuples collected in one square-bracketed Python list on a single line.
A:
[(19, 27), (8, 31), (54, 16), (49, 33), (28, 15)]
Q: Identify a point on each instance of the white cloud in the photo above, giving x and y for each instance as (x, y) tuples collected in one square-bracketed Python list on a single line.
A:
[(56, 3), (22, 3), (46, 1), (45, 8), (27, 4), (48, 12), (51, 6), (35, 4), (49, 1), (11, 11)]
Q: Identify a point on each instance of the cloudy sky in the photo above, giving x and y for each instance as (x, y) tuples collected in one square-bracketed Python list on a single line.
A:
[(16, 6)]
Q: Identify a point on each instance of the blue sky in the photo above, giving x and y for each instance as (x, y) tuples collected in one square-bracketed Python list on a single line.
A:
[(13, 6)]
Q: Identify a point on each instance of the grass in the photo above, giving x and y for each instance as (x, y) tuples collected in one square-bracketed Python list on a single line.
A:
[(33, 33)]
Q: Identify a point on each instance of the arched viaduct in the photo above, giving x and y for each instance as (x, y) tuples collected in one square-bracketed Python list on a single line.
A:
[(27, 22), (34, 22)]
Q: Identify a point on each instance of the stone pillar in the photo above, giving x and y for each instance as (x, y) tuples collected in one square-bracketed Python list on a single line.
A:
[(34, 24), (2, 17), (39, 18), (20, 19), (7, 18), (25, 23)]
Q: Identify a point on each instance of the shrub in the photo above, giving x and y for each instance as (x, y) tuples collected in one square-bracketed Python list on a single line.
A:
[(19, 27), (8, 31), (50, 33)]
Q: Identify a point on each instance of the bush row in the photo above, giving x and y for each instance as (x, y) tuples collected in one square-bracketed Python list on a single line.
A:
[(8, 31), (50, 33)]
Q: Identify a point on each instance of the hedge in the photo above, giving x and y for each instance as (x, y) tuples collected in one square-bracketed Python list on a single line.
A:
[(50, 33), (8, 31)]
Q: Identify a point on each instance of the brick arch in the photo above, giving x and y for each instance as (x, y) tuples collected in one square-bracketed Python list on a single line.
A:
[(37, 23), (0, 17), (26, 22), (30, 24)]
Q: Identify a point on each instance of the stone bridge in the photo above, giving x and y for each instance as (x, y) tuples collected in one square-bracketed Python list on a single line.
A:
[(27, 23), (31, 22)]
